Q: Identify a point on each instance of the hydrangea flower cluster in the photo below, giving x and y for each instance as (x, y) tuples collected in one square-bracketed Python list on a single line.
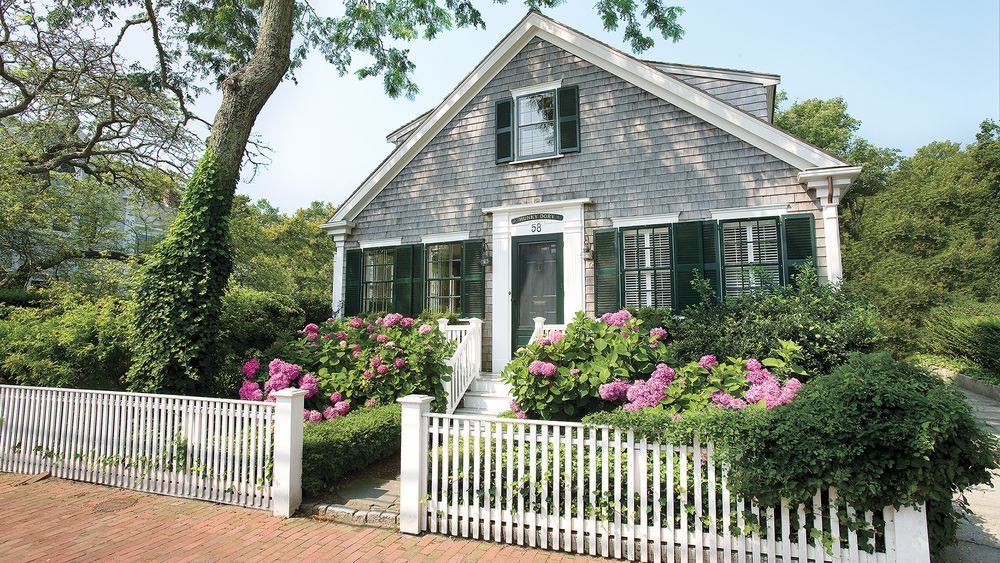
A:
[(250, 391), (708, 362), (641, 393), (619, 319), (763, 387), (550, 338), (544, 369), (311, 331), (281, 375), (371, 403), (250, 368), (656, 336), (517, 409), (425, 329)]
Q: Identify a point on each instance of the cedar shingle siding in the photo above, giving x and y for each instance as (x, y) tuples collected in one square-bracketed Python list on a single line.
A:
[(639, 155)]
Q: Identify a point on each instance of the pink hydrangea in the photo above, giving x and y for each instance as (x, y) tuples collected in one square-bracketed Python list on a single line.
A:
[(368, 374), (517, 409), (407, 322), (310, 384), (341, 335), (654, 343), (356, 352), (390, 344), (336, 397), (574, 371), (658, 333), (663, 371), (375, 361), (342, 344), (619, 319), (329, 413), (642, 394), (342, 407), (250, 368), (617, 390), (425, 329), (312, 416), (327, 336), (250, 391), (381, 338), (382, 369), (551, 338), (355, 322), (545, 369), (764, 387), (392, 319), (753, 365), (708, 362), (398, 363), (311, 327), (372, 403)]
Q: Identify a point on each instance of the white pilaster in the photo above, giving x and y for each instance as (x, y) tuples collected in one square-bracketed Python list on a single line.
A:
[(829, 185), (339, 232)]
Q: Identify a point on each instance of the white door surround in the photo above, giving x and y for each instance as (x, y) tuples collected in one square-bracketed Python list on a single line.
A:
[(552, 217)]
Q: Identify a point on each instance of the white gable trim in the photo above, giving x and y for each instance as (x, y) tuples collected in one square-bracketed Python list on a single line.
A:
[(700, 104), (722, 73)]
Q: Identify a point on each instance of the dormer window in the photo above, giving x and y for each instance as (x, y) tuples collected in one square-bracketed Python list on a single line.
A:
[(540, 121)]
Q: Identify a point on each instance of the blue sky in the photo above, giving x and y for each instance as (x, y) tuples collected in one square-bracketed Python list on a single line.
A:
[(912, 72)]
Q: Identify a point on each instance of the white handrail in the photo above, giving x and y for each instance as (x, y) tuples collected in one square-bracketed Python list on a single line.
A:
[(467, 361), (541, 328)]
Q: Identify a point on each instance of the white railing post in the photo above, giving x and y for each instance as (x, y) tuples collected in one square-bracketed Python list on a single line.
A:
[(539, 327), (286, 490), (477, 328), (413, 462), (443, 325), (912, 542)]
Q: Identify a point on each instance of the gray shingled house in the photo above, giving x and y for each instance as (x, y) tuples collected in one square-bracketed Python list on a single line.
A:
[(563, 175)]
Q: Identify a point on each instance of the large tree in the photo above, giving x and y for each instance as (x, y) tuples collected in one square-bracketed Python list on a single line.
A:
[(248, 47)]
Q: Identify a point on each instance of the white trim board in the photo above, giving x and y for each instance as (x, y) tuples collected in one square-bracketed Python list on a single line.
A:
[(445, 237), (379, 243), (740, 124), (749, 212), (516, 93), (645, 220)]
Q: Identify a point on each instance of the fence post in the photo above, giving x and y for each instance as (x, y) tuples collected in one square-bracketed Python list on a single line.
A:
[(912, 541), (286, 488), (477, 329), (443, 324), (413, 462)]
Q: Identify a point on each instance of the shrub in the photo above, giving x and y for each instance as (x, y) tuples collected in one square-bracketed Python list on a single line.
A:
[(334, 448), (361, 359), (18, 297), (826, 322), (559, 375), (72, 342), (970, 331)]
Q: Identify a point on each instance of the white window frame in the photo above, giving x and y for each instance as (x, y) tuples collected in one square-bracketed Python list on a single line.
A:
[(518, 93)]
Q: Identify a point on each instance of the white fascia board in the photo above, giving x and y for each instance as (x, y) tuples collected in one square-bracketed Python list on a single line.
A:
[(749, 212), (445, 237), (721, 73), (646, 220), (836, 172), (690, 99), (540, 206), (380, 243)]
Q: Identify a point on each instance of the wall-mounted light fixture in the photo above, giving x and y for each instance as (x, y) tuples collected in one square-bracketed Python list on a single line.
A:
[(588, 250), (487, 257)]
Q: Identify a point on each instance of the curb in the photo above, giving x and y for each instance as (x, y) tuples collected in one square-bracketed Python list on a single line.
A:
[(979, 387), (348, 515)]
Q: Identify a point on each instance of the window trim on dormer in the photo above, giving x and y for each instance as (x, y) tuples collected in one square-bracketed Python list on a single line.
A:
[(551, 88), (535, 88)]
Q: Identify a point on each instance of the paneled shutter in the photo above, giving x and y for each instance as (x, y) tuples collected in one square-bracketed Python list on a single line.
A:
[(607, 275), (402, 280), (505, 131), (352, 287), (695, 249), (568, 112), (417, 281), (798, 244), (473, 279)]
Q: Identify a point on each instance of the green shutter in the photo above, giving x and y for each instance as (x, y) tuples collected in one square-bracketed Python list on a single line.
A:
[(568, 112), (402, 280), (798, 244), (505, 131), (352, 287), (607, 274), (417, 281), (695, 250), (473, 279)]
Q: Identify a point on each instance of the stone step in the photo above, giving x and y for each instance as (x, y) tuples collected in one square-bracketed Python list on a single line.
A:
[(486, 403)]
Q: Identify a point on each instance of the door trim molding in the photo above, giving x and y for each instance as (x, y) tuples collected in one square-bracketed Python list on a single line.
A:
[(574, 273)]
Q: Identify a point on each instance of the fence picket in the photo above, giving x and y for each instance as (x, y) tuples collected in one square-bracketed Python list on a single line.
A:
[(476, 515)]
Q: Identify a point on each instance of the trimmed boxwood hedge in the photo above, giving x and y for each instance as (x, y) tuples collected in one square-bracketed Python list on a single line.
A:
[(334, 448)]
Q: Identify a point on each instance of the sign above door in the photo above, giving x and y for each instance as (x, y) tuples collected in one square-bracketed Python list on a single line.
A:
[(536, 217)]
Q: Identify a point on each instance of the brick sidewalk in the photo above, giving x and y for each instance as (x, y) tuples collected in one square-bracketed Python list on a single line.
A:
[(62, 520)]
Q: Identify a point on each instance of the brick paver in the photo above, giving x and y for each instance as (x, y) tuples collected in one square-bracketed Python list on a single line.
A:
[(54, 519)]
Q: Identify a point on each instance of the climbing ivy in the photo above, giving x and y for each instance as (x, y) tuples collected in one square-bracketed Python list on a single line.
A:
[(179, 290)]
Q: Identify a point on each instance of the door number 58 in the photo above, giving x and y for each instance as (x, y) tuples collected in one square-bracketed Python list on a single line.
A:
[(536, 227)]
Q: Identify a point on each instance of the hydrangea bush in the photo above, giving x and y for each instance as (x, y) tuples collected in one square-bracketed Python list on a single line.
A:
[(356, 361), (558, 376)]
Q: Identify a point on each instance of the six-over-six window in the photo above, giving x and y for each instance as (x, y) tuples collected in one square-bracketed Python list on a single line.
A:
[(444, 277), (378, 274)]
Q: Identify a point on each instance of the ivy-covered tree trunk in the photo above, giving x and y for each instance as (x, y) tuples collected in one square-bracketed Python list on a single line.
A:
[(179, 290)]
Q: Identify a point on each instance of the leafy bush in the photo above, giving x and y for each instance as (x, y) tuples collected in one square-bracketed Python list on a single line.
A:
[(363, 359), (18, 297), (559, 376), (72, 342), (334, 448), (970, 331), (826, 322)]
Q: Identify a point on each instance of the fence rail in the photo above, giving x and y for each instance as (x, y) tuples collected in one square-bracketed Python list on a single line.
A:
[(467, 361), (601, 491), (209, 449)]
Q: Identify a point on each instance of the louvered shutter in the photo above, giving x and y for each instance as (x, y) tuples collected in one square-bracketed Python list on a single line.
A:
[(798, 244), (607, 275), (473, 279), (402, 280), (568, 115), (505, 131), (352, 283), (417, 281), (695, 250)]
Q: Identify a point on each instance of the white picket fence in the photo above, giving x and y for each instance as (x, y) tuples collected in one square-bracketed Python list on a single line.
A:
[(233, 452), (467, 361), (600, 491)]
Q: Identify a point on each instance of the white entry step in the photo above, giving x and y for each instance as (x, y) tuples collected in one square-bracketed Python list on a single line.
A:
[(486, 395)]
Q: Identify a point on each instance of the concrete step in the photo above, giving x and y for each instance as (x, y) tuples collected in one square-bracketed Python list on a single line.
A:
[(487, 403), (490, 386)]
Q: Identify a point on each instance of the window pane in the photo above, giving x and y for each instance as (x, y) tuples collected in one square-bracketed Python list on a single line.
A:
[(751, 254), (444, 277), (646, 276), (534, 140), (535, 108)]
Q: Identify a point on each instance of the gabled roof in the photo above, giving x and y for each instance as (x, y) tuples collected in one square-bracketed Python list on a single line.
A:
[(695, 101)]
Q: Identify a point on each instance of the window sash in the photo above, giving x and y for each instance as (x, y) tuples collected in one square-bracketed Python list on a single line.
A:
[(751, 252), (533, 120), (444, 277), (377, 275), (647, 267)]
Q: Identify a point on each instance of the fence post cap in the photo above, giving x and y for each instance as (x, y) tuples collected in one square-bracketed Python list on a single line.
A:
[(415, 400), (289, 392)]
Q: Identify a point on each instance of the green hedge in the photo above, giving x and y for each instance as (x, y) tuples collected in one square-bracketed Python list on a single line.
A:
[(970, 331), (334, 448)]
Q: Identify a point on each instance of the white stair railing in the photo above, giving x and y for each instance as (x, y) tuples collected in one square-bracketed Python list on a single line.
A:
[(542, 328), (467, 361)]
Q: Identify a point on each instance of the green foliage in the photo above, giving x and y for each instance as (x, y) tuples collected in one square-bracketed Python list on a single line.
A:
[(73, 341), (591, 354), (286, 254), (826, 322), (652, 317), (335, 448), (18, 297), (352, 369), (179, 291), (970, 331)]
